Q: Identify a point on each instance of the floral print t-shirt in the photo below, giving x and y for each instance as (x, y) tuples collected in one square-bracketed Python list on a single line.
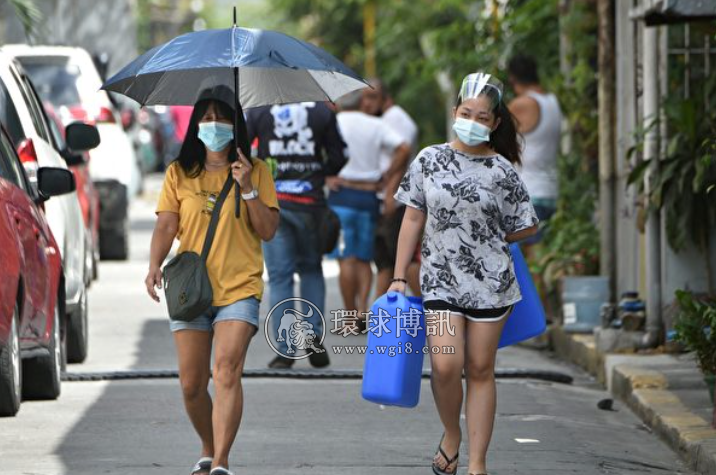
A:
[(472, 203)]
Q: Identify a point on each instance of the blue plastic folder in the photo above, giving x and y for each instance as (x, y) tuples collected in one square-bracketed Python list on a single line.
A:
[(393, 362)]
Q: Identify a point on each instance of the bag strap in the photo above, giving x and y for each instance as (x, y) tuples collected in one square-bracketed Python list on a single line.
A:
[(215, 217)]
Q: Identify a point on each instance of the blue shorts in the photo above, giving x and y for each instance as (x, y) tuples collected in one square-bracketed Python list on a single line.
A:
[(545, 208), (357, 234), (246, 310)]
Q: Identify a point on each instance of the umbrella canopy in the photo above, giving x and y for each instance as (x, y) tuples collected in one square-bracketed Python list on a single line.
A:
[(274, 68)]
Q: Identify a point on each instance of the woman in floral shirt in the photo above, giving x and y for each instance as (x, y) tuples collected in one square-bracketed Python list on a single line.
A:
[(470, 202)]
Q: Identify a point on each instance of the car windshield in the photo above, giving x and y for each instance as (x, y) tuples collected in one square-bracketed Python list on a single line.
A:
[(54, 79)]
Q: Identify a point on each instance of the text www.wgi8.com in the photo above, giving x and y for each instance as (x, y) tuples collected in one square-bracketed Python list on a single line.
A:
[(393, 350)]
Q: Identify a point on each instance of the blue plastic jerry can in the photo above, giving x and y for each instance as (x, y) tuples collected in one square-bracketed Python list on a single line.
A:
[(395, 351), (527, 319)]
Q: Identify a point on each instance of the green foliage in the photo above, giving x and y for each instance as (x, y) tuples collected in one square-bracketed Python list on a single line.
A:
[(29, 15), (572, 238), (683, 186), (696, 328), (416, 39)]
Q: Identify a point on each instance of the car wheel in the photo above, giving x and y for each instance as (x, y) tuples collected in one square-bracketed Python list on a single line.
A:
[(95, 265), (11, 370), (77, 332), (42, 374), (114, 243)]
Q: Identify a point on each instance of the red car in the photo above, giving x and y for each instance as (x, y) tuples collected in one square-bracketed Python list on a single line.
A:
[(31, 283)]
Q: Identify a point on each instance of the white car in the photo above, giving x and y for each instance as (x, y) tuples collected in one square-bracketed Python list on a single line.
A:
[(23, 117), (68, 78)]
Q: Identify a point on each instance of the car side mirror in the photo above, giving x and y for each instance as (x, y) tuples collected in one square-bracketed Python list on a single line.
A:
[(54, 182), (73, 159), (81, 137)]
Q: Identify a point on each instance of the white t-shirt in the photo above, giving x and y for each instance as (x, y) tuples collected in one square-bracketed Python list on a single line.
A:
[(367, 137), (400, 121)]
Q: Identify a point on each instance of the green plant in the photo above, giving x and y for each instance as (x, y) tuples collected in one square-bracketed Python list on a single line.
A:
[(684, 185), (696, 328), (29, 15), (572, 239)]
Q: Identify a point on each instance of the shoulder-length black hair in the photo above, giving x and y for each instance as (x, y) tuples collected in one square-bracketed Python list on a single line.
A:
[(504, 139), (192, 155)]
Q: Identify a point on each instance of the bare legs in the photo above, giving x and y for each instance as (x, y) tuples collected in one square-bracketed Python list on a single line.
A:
[(217, 423), (232, 342), (475, 350), (194, 355), (446, 383), (356, 279), (482, 341)]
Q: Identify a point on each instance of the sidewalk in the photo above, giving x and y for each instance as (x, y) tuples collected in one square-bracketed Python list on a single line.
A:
[(666, 391)]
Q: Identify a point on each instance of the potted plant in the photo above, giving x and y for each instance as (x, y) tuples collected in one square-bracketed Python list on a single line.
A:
[(696, 328)]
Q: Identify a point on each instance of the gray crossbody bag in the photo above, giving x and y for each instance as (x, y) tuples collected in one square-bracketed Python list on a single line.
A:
[(187, 288)]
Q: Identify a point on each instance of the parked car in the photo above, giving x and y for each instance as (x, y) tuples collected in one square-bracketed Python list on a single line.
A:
[(27, 125), (141, 126), (68, 78), (86, 191), (32, 299)]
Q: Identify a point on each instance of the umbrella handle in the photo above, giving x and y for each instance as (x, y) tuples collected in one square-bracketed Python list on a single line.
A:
[(241, 135)]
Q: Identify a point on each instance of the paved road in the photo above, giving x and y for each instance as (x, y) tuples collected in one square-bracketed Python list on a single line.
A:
[(298, 426)]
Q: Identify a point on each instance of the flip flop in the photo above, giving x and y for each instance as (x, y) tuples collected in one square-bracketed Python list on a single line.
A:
[(202, 467), (221, 471), (436, 469)]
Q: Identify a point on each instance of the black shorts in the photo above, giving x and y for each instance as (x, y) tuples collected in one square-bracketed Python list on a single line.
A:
[(385, 248), (472, 314)]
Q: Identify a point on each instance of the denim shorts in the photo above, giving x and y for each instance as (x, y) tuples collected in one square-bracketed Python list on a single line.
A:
[(357, 234), (544, 208), (246, 310)]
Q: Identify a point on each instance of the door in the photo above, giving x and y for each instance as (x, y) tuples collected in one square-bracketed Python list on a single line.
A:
[(23, 214)]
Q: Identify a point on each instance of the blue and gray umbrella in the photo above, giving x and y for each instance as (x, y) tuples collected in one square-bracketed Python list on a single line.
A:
[(274, 68)]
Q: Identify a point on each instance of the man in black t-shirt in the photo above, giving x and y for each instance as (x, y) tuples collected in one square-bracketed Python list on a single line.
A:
[(302, 145)]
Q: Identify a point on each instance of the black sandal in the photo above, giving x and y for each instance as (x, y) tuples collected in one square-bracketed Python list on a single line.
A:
[(437, 470)]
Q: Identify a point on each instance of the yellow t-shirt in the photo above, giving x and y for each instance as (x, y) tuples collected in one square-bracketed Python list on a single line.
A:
[(235, 262)]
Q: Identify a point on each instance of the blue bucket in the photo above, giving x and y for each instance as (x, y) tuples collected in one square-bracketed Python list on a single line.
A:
[(582, 299)]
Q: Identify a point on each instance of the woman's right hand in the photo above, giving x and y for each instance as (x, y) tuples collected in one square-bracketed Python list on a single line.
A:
[(397, 286), (153, 280)]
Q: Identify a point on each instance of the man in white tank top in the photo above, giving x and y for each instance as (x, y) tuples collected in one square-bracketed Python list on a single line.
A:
[(539, 120)]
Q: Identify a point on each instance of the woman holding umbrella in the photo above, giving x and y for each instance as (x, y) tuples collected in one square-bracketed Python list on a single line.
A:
[(235, 266), (471, 202)]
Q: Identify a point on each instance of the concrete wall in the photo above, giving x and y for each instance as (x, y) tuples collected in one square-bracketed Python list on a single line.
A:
[(97, 25), (628, 257), (683, 270)]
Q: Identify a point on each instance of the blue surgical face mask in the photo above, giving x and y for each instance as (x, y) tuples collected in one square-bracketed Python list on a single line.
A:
[(471, 133), (215, 135)]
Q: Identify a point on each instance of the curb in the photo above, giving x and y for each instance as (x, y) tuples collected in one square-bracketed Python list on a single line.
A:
[(646, 393), (580, 349)]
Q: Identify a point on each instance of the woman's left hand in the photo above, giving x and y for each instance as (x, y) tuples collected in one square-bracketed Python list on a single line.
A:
[(241, 170)]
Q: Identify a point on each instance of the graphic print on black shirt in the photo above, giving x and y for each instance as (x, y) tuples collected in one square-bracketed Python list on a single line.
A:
[(303, 144)]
